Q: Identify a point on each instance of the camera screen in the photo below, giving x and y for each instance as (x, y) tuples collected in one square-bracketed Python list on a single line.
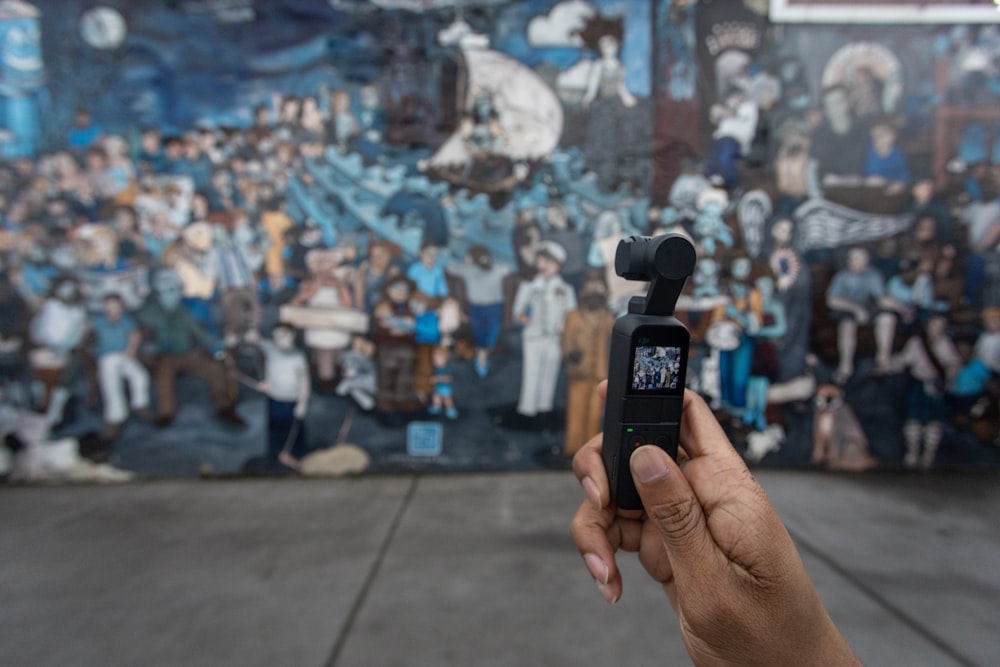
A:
[(656, 368)]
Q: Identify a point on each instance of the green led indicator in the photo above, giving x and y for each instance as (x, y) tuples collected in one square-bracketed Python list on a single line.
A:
[(629, 430)]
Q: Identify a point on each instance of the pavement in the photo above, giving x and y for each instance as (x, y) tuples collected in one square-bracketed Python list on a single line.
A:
[(460, 569)]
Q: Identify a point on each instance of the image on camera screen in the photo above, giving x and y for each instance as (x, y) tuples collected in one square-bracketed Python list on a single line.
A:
[(656, 368)]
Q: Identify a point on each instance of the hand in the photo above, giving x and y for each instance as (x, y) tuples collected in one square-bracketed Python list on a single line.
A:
[(712, 540), (300, 410)]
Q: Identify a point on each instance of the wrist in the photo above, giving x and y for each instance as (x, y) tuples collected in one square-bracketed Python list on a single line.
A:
[(831, 648)]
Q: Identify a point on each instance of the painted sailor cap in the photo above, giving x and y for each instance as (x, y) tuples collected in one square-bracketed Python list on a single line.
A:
[(552, 249)]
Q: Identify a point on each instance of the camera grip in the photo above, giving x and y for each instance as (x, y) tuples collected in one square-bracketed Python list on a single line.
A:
[(645, 396)]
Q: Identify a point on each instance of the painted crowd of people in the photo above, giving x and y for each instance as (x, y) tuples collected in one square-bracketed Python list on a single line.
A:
[(128, 264)]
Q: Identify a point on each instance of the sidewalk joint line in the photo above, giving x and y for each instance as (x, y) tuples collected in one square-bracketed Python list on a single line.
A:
[(362, 596), (895, 611)]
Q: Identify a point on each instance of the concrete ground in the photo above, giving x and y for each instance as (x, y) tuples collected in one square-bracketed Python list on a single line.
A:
[(456, 570)]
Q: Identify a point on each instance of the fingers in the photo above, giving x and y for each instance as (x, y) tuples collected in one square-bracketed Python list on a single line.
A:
[(588, 466), (599, 535), (592, 534), (672, 506)]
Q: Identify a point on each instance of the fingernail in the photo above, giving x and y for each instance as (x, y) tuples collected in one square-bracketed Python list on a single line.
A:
[(607, 593), (593, 493), (648, 465), (598, 570)]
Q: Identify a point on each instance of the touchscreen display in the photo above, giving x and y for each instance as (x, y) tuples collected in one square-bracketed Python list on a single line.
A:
[(656, 368)]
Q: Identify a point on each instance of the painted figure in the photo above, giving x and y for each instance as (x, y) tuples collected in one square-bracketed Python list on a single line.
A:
[(541, 306), (793, 164), (933, 363), (426, 337), (428, 274), (606, 99), (237, 257), (765, 367), (793, 284), (975, 392), (561, 229), (743, 315), (910, 294), (287, 386), (483, 278), (586, 341), (735, 125), (988, 343), (886, 163), (57, 330), (370, 123), (481, 131), (608, 231), (116, 346), (357, 373), (373, 272), (524, 238), (192, 260), (342, 126), (839, 142), (276, 223), (182, 347), (15, 316), (854, 298), (325, 290), (395, 354), (709, 224), (442, 395)]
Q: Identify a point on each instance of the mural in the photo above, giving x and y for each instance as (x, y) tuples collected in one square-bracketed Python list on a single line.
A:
[(317, 237)]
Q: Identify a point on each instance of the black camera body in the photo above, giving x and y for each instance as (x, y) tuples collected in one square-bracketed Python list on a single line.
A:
[(648, 361)]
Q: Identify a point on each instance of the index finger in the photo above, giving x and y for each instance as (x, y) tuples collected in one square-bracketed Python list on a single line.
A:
[(588, 466)]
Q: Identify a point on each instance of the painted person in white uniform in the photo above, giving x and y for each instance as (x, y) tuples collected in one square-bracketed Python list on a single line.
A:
[(540, 306)]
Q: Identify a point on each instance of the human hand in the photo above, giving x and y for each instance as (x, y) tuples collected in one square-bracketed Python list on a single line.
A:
[(710, 537)]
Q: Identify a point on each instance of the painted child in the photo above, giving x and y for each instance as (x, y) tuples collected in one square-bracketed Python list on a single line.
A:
[(441, 379), (287, 387)]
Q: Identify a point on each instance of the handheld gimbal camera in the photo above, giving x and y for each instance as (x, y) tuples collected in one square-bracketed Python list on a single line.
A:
[(648, 363)]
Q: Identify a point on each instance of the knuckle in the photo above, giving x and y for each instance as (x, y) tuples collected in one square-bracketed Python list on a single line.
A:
[(677, 519), (584, 526)]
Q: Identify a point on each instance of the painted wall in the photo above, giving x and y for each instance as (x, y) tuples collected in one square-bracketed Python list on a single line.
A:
[(338, 236)]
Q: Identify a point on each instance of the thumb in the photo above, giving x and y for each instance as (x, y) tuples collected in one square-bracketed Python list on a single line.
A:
[(672, 506)]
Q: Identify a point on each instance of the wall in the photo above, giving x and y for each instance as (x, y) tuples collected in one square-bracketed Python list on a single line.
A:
[(383, 177)]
